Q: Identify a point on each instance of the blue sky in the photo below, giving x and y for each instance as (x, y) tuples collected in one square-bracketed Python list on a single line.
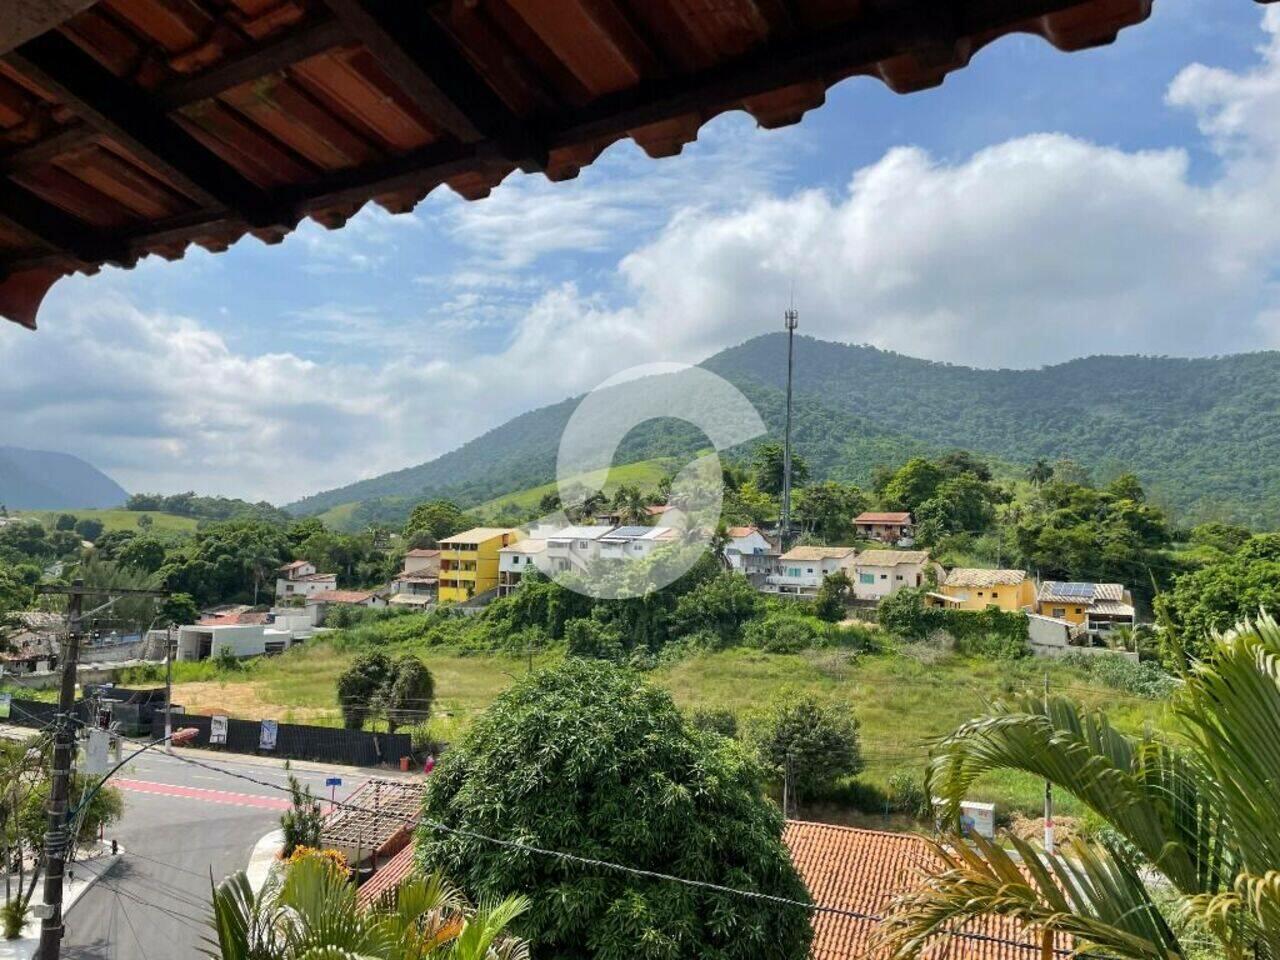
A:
[(1037, 207)]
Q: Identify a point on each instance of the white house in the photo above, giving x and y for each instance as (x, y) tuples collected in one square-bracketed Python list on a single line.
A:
[(422, 561), (244, 634), (877, 574), (749, 551), (517, 560), (633, 543), (891, 527), (299, 579), (573, 548), (319, 603), (800, 571)]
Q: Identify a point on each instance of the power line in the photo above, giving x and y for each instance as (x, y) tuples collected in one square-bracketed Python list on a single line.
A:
[(609, 865)]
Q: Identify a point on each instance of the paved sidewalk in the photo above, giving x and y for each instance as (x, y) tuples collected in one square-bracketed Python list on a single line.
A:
[(83, 874)]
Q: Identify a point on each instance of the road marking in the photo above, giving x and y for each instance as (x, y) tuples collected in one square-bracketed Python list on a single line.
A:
[(225, 797)]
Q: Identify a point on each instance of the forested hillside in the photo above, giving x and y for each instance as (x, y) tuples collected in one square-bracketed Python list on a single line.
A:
[(1204, 435)]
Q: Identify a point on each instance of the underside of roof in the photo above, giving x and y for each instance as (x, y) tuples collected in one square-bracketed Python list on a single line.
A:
[(138, 127)]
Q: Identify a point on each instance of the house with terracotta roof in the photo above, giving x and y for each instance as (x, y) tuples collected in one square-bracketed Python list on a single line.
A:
[(861, 871), (422, 560), (890, 527), (1098, 608), (976, 588), (800, 571), (299, 579), (749, 551)]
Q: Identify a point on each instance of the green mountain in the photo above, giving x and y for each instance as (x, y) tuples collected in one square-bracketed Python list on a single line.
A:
[(41, 479), (1203, 434)]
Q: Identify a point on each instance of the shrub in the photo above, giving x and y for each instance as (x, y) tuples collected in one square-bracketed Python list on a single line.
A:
[(301, 823), (783, 632), (815, 743), (587, 758), (226, 660), (906, 794), (713, 720), (1143, 679)]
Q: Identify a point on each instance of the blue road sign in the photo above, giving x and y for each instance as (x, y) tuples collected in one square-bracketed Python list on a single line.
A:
[(333, 782)]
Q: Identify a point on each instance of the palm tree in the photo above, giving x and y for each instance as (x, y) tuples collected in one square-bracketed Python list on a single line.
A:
[(1040, 473), (630, 505), (313, 914), (1194, 842)]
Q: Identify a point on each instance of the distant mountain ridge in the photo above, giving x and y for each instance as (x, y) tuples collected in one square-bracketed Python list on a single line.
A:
[(46, 480), (1203, 434)]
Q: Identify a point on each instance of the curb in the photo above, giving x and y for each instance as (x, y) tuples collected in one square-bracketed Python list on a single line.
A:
[(264, 858)]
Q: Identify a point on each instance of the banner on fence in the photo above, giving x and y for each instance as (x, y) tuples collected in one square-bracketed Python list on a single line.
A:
[(267, 738), (6, 705), (96, 750), (218, 730)]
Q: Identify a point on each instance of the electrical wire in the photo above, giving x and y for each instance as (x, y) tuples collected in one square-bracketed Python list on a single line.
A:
[(609, 865)]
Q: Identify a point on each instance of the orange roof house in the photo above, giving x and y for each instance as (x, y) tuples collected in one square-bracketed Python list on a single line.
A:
[(861, 871), (138, 127)]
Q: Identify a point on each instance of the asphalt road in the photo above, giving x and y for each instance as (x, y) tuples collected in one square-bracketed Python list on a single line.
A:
[(182, 827)]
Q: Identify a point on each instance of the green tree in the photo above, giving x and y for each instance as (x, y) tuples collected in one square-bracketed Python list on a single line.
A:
[(143, 553), (360, 685), (1217, 596), (833, 596), (767, 464), (179, 609), (1040, 473), (434, 520), (826, 510), (719, 606), (408, 694), (90, 528), (314, 914), (915, 482), (65, 521), (1191, 846), (592, 638), (145, 522), (588, 759), (1127, 486), (1221, 536), (302, 822), (812, 743)]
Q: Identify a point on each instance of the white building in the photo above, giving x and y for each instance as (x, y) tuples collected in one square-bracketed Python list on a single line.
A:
[(299, 579), (319, 603), (877, 574), (749, 551), (573, 548), (244, 634), (517, 560), (422, 561), (800, 571), (633, 543)]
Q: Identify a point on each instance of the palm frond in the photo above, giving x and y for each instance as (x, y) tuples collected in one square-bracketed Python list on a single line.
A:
[(1086, 892), (1148, 791)]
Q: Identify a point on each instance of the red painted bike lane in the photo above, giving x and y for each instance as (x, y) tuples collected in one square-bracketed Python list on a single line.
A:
[(225, 797)]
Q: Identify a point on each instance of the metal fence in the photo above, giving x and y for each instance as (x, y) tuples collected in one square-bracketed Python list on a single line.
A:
[(296, 741)]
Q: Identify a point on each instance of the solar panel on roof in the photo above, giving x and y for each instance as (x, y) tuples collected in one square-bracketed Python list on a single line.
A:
[(1082, 590)]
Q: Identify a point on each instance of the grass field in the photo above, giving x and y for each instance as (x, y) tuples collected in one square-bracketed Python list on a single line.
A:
[(339, 517), (113, 520), (900, 700), (643, 474)]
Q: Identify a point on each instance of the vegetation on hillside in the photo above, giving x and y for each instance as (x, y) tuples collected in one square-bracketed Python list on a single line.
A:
[(1200, 433)]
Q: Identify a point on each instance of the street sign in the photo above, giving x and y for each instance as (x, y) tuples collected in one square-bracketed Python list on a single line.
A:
[(333, 782)]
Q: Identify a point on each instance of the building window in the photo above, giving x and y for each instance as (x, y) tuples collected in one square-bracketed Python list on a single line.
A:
[(1059, 612), (808, 569), (897, 576), (884, 576), (994, 595), (1078, 610), (866, 578), (979, 593)]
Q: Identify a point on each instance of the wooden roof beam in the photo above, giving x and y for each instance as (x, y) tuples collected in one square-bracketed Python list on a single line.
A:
[(124, 113), (420, 57), (43, 226)]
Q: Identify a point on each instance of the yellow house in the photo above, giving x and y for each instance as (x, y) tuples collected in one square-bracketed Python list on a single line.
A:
[(469, 561), (1099, 606), (974, 588)]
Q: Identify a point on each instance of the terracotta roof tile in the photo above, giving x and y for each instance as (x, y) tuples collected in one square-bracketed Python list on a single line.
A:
[(862, 871), (872, 517)]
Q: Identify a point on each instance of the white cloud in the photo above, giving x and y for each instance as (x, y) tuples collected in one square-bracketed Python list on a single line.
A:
[(1035, 250)]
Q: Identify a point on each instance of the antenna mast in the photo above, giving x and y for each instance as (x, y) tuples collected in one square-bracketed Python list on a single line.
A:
[(791, 319)]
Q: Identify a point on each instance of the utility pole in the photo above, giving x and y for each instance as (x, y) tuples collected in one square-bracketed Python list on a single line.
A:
[(168, 687), (790, 319), (1048, 787), (56, 839)]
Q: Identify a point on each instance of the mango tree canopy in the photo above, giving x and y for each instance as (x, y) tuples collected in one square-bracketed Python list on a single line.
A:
[(136, 127)]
